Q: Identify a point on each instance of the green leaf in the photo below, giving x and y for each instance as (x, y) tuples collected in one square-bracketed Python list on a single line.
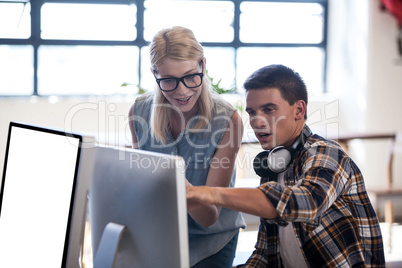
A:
[(217, 88)]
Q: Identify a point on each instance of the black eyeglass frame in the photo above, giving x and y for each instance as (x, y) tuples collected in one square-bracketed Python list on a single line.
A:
[(181, 79)]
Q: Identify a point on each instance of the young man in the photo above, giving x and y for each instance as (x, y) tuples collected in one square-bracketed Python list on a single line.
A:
[(312, 200)]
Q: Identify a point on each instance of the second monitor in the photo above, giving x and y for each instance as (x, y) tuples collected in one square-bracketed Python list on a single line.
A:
[(138, 210)]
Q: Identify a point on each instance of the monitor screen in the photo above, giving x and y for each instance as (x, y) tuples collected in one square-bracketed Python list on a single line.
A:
[(37, 196), (145, 193)]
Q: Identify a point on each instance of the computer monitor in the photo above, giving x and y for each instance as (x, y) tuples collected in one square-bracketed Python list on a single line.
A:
[(45, 181), (138, 209)]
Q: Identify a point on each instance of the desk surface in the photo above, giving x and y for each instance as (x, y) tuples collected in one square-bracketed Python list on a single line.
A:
[(343, 137)]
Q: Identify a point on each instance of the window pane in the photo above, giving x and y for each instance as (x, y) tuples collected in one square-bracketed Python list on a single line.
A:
[(221, 65), (16, 70), (281, 22), (147, 78), (15, 20), (308, 62), (211, 21), (88, 21), (75, 70)]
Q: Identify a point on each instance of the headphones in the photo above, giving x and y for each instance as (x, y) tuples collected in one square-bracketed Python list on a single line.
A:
[(274, 161)]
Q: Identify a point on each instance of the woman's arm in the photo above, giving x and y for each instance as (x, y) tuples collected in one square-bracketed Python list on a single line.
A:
[(220, 171), (132, 129)]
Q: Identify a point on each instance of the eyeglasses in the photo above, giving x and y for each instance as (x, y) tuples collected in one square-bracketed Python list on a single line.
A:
[(189, 81)]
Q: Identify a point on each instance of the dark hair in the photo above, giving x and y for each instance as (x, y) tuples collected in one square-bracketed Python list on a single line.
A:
[(287, 81)]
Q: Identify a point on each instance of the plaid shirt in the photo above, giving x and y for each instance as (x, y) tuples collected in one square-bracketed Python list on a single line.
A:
[(326, 201)]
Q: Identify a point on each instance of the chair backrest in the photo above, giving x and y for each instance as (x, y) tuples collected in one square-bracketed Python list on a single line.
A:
[(392, 137)]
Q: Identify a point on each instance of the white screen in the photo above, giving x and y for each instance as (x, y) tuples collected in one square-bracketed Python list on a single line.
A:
[(36, 199)]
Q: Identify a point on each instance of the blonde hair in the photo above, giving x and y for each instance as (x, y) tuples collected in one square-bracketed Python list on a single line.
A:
[(177, 43)]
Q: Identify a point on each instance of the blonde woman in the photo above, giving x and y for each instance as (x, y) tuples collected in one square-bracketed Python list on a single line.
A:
[(184, 117)]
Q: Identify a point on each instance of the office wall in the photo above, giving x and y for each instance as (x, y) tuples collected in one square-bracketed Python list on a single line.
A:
[(384, 85), (365, 75)]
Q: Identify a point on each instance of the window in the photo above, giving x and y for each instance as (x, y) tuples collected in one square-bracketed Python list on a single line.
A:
[(15, 20), (91, 21), (73, 47)]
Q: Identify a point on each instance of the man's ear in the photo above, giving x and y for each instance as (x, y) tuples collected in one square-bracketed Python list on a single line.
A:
[(300, 109)]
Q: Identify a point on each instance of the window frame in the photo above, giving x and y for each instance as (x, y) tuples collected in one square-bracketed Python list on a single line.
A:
[(35, 40)]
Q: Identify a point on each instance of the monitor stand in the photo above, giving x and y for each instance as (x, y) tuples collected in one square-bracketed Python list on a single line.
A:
[(109, 245)]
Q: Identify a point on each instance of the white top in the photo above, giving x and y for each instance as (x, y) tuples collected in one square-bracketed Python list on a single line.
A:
[(291, 253)]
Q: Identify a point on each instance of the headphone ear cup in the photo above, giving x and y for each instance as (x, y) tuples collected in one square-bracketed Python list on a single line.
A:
[(269, 163), (260, 165), (279, 159)]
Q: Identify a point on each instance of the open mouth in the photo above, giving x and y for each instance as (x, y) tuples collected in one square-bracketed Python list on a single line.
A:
[(183, 100), (263, 135)]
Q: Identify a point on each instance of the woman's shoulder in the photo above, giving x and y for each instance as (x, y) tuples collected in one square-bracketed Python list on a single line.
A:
[(222, 106), (146, 97), (143, 103)]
